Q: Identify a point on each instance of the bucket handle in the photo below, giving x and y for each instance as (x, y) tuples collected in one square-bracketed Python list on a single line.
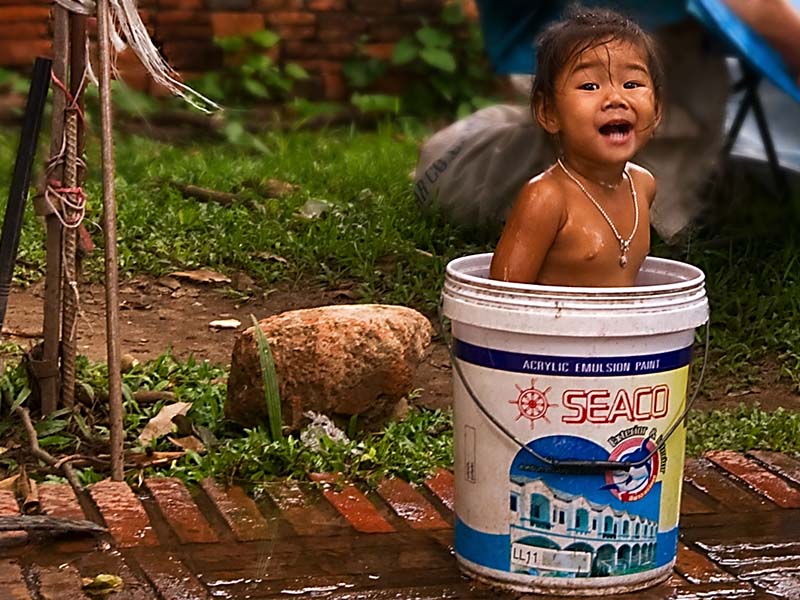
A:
[(555, 465)]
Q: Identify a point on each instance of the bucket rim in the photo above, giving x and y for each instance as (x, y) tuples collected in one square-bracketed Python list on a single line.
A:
[(629, 292)]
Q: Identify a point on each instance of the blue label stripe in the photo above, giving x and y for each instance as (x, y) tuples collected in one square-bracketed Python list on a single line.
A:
[(572, 366)]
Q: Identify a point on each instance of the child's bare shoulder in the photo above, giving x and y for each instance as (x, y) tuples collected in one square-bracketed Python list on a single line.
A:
[(543, 193), (643, 180)]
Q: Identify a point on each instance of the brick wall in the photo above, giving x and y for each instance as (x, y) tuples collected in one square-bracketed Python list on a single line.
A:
[(317, 34)]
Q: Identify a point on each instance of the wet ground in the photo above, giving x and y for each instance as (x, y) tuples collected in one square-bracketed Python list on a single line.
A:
[(740, 538)]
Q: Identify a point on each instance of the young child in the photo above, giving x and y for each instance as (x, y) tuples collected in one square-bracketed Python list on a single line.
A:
[(585, 220)]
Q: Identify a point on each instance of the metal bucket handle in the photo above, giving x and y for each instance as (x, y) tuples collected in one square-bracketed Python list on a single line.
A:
[(555, 465)]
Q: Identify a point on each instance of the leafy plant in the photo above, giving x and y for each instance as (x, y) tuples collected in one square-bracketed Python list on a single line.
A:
[(447, 61), (270, 379), (250, 75)]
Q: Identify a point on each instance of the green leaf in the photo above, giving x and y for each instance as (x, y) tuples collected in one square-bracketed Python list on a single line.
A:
[(255, 88), (405, 51), (230, 44), (265, 38), (453, 14), (434, 38), (379, 103), (270, 377), (439, 59), (295, 71)]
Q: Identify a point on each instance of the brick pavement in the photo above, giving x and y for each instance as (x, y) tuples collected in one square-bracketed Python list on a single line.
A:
[(740, 538)]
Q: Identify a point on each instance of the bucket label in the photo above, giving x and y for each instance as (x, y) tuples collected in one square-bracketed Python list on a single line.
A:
[(515, 514)]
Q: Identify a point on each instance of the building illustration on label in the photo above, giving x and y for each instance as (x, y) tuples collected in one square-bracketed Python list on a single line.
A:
[(532, 403), (558, 534)]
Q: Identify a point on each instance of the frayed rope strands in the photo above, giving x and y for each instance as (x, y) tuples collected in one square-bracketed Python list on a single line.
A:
[(130, 31)]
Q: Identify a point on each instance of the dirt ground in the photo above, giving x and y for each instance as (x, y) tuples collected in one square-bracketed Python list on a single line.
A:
[(175, 314)]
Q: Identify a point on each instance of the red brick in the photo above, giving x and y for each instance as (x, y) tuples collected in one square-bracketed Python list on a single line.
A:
[(171, 578), (191, 55), (22, 32), (421, 6), (409, 504), (180, 510), (10, 508), (59, 500), (305, 513), (131, 71), (381, 51), (721, 488), (353, 506), (18, 55), (764, 482), (692, 506), (326, 5), (239, 511), (784, 465), (182, 17), (59, 583), (374, 7), (268, 5), (14, 14), (291, 18), (442, 485), (123, 513), (335, 27), (292, 32), (391, 31), (226, 24), (12, 582), (294, 49), (182, 4), (698, 568), (191, 31)]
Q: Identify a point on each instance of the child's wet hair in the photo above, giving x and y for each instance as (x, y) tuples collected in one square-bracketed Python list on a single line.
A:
[(582, 29)]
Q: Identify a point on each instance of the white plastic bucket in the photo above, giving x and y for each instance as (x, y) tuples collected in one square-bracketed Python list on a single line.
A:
[(581, 374)]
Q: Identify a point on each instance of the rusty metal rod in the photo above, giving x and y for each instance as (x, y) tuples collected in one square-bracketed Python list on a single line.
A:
[(69, 318), (110, 238), (48, 384), (73, 178)]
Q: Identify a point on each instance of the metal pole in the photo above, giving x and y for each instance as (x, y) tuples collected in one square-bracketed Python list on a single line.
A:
[(110, 238), (21, 179)]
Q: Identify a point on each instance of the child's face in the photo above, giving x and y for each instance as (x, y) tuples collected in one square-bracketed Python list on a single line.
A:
[(605, 108)]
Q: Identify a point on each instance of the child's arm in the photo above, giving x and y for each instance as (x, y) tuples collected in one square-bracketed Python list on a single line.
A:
[(530, 230), (645, 183)]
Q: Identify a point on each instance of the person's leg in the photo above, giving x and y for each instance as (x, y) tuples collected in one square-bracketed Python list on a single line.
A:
[(776, 21)]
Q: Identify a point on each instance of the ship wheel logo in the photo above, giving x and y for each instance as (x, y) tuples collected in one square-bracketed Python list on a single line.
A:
[(532, 403)]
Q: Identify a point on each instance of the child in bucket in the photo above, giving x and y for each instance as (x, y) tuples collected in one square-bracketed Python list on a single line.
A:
[(585, 220)]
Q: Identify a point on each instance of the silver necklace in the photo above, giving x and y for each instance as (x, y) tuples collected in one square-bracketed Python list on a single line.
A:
[(624, 245)]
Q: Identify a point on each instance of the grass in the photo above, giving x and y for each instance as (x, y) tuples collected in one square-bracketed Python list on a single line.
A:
[(373, 236)]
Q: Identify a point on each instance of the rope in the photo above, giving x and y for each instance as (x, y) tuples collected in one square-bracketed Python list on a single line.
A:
[(131, 32)]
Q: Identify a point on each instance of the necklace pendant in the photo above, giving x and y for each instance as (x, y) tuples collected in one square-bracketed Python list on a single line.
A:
[(623, 260)]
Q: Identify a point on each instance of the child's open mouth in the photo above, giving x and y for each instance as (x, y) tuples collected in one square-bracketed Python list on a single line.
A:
[(617, 131)]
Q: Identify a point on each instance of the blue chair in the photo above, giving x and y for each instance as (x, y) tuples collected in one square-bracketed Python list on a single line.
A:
[(757, 61)]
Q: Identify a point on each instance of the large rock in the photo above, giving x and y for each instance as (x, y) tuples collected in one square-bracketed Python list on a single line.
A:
[(337, 360)]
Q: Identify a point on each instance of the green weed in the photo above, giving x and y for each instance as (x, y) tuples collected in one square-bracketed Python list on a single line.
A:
[(743, 428)]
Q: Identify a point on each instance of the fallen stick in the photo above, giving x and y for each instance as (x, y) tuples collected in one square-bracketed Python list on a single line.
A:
[(46, 523), (45, 456), (206, 195), (22, 334)]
